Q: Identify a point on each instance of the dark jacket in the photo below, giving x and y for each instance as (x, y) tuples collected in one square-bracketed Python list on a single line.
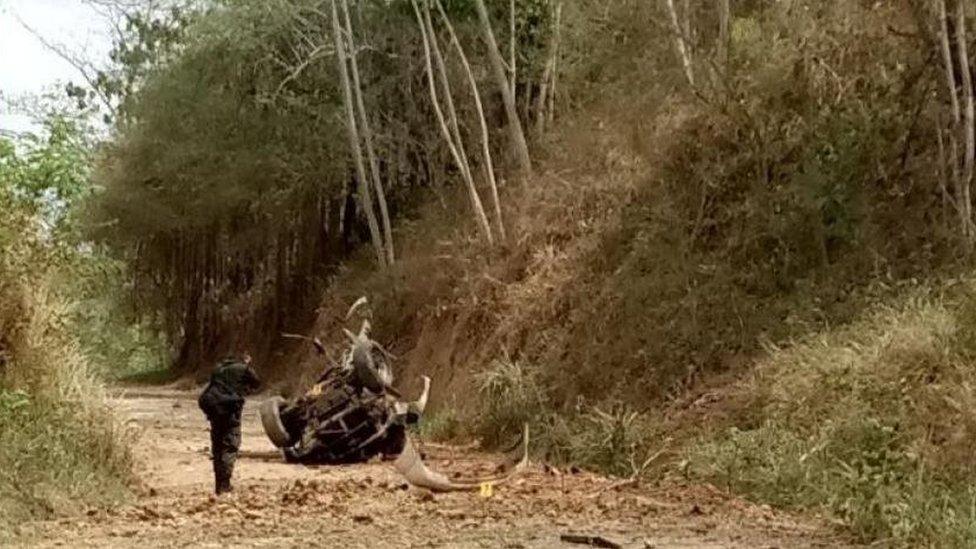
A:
[(230, 382)]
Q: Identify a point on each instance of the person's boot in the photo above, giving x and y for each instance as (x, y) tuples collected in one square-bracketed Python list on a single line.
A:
[(223, 485)]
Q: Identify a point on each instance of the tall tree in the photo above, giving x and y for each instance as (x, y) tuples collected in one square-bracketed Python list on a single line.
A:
[(968, 117), (352, 131), (485, 141), (520, 147), (724, 17), (547, 82), (368, 137), (451, 136), (681, 41)]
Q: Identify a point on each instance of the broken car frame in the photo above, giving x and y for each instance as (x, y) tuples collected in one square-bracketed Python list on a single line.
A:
[(353, 413)]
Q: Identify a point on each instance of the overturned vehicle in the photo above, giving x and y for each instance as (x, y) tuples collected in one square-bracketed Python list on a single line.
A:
[(350, 415), (353, 414)]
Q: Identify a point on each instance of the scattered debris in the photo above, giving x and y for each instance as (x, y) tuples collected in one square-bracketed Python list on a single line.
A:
[(362, 519), (592, 541)]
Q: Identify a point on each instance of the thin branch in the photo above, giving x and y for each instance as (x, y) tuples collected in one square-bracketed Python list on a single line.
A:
[(83, 66), (319, 51)]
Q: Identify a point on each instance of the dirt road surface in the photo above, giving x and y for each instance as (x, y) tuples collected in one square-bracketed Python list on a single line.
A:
[(277, 505)]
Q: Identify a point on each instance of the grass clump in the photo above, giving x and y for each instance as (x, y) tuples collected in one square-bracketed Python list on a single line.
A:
[(442, 426), (611, 439), (512, 395), (873, 422)]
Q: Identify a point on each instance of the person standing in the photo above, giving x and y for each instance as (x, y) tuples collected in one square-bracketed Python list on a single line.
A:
[(222, 402)]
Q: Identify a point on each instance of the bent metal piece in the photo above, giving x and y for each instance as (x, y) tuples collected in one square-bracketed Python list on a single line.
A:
[(421, 403), (412, 467), (359, 303), (416, 408)]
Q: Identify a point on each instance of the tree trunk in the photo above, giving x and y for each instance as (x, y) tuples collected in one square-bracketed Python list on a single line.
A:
[(551, 110), (511, 46), (955, 114), (681, 42), (724, 16), (548, 74), (354, 143), (452, 118), (486, 145), (519, 146), (541, 100), (368, 138), (968, 119), (480, 216)]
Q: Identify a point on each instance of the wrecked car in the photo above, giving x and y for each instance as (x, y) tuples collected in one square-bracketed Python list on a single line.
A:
[(350, 415), (353, 414)]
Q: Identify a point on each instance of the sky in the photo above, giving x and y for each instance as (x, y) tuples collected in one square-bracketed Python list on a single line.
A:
[(27, 66)]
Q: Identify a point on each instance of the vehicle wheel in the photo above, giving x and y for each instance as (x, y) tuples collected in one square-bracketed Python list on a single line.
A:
[(271, 421)]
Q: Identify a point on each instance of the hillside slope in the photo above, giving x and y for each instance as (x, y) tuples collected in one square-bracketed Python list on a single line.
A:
[(681, 263)]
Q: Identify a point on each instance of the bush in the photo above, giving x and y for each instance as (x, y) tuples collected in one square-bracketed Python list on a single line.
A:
[(610, 439), (614, 442), (512, 396), (61, 446), (443, 426), (57, 459)]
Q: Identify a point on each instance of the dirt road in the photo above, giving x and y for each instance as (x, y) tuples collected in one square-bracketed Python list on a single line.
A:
[(278, 505)]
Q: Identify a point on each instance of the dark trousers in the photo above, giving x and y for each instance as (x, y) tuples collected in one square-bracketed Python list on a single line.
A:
[(225, 442)]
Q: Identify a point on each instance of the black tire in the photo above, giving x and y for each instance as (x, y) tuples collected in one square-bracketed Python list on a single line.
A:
[(270, 412)]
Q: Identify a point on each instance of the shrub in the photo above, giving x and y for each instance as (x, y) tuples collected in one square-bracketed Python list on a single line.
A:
[(512, 396), (872, 422), (61, 446), (610, 439)]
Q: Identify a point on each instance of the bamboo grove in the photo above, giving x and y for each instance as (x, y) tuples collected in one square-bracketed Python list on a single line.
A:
[(283, 135)]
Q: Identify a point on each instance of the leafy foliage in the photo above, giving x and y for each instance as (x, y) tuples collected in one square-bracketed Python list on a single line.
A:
[(50, 172), (513, 395), (227, 190), (61, 443), (146, 38)]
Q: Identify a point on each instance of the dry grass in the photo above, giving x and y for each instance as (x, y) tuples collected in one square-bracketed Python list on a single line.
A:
[(873, 421), (665, 246), (611, 438), (62, 448)]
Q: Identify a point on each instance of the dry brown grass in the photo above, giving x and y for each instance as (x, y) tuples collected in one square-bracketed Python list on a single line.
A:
[(62, 447)]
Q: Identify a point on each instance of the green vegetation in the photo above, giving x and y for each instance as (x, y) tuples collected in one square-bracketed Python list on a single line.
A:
[(873, 421), (742, 205), (736, 261), (62, 447), (613, 440)]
